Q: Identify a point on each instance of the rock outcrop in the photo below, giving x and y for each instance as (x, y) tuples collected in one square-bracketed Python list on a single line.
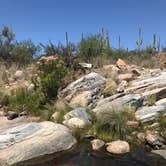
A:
[(145, 114), (118, 103), (32, 140), (78, 118), (84, 91)]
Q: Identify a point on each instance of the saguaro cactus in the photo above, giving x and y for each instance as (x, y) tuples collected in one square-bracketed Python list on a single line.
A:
[(139, 40), (119, 42), (107, 39), (158, 45), (68, 50), (102, 39), (154, 42), (82, 36)]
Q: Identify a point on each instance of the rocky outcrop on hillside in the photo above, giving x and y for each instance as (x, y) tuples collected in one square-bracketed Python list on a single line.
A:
[(84, 91), (30, 140), (112, 88)]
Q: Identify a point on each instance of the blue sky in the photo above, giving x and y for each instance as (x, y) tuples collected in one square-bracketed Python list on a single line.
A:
[(43, 20)]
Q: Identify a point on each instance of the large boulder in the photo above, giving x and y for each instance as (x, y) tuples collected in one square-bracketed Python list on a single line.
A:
[(118, 103), (148, 81), (33, 140), (77, 118), (84, 91), (118, 147), (145, 114)]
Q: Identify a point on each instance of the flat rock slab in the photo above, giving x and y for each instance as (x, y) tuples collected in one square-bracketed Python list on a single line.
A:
[(84, 91), (32, 140), (134, 100), (146, 113), (160, 152)]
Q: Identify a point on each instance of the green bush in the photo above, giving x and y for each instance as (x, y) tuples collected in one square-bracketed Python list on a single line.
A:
[(23, 100), (162, 121), (114, 122), (51, 74)]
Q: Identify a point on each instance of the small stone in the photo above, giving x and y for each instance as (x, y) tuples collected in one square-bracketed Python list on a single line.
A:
[(19, 74), (75, 123), (31, 87), (97, 144), (11, 115), (55, 116), (24, 113), (122, 86), (77, 118), (136, 72), (118, 147), (126, 77), (154, 139), (141, 137), (2, 113), (133, 123), (121, 64)]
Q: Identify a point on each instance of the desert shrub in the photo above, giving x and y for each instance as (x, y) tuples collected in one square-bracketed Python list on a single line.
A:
[(4, 99), (63, 108), (114, 123), (23, 100), (162, 121), (51, 74), (23, 52), (47, 110), (150, 100)]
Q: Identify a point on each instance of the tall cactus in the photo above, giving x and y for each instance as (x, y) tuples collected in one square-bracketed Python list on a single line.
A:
[(119, 43), (102, 38), (139, 40), (154, 42), (107, 39), (67, 41), (158, 45), (82, 36), (68, 55)]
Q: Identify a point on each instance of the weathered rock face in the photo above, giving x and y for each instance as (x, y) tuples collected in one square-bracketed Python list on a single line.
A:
[(158, 93), (122, 86), (161, 102), (84, 90), (78, 118), (154, 139), (150, 81), (97, 144), (121, 65), (118, 103), (33, 140), (146, 113), (160, 152), (118, 147), (83, 99), (126, 77)]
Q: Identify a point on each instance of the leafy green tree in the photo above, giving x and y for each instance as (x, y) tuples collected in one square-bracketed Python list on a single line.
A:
[(24, 52), (7, 37), (65, 52)]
